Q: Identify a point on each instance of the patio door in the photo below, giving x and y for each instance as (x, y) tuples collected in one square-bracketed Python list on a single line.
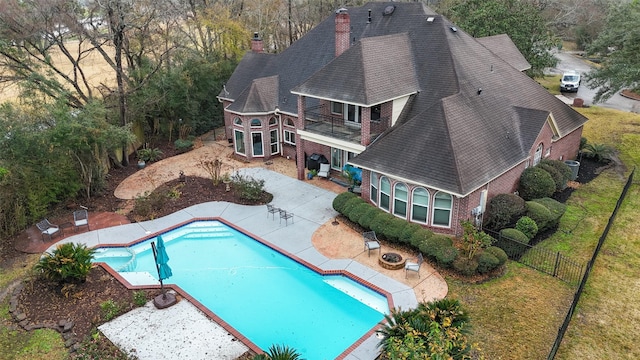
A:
[(256, 142)]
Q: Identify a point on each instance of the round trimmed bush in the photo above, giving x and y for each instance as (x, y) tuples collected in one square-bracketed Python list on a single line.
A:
[(557, 177), (527, 226), (487, 262), (381, 221), (358, 211), (503, 210), (341, 199), (407, 232), (540, 214), (420, 237), (351, 204), (514, 234), (435, 243), (556, 208), (446, 255), (562, 168), (366, 219), (498, 253), (465, 266), (536, 183), (393, 229)]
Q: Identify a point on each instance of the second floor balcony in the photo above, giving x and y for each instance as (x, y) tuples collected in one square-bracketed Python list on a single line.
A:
[(336, 126)]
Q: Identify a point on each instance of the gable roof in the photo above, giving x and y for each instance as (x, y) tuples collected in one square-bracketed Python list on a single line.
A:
[(471, 116), (504, 48)]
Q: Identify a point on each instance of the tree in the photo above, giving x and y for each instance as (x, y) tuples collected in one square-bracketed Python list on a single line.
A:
[(619, 43), (517, 18)]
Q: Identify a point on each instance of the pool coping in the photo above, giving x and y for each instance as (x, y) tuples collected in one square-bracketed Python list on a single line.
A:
[(312, 207)]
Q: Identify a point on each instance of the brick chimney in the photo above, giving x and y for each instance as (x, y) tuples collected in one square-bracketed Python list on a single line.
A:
[(256, 43), (343, 31)]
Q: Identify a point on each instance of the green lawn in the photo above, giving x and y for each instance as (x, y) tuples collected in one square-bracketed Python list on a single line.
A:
[(517, 316)]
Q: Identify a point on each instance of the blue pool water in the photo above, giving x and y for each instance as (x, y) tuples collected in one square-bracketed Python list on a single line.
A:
[(266, 296)]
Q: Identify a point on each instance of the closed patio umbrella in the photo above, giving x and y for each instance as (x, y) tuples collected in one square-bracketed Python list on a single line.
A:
[(164, 272)]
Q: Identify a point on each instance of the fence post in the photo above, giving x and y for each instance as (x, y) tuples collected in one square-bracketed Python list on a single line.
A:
[(555, 267)]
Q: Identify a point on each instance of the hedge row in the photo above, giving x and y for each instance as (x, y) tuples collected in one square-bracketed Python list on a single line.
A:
[(436, 247)]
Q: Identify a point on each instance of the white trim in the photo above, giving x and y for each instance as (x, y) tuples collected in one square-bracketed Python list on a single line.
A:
[(235, 143), (428, 206), (286, 131), (433, 210), (250, 113), (354, 103), (277, 143), (389, 195), (331, 142), (406, 201), (261, 143)]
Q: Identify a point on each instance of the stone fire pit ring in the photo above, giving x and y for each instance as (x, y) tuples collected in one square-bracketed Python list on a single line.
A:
[(391, 261)]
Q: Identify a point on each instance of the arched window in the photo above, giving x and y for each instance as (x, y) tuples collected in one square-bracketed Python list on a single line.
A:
[(374, 188), (237, 121), (256, 123), (538, 155), (289, 134), (289, 122), (442, 204), (385, 193), (420, 205), (273, 121), (400, 197)]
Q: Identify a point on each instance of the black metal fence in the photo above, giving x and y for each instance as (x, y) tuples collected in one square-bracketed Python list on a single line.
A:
[(549, 262), (576, 298)]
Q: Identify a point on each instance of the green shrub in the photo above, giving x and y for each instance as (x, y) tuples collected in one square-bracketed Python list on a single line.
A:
[(420, 237), (366, 219), (558, 178), (407, 232), (145, 206), (487, 262), (540, 214), (341, 199), (351, 204), (248, 187), (527, 226), (514, 234), (446, 255), (381, 221), (394, 229), (110, 309), (536, 183), (503, 210), (598, 152), (434, 243), (562, 168), (498, 253), (465, 266), (358, 211), (556, 208), (183, 145), (140, 298), (149, 155), (69, 263)]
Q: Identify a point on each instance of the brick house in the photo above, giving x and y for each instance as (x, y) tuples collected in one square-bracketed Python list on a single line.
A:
[(437, 120)]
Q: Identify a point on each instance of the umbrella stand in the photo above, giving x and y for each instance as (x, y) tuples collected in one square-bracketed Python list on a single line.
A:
[(164, 300)]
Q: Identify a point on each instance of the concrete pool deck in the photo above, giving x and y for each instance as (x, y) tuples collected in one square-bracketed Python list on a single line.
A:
[(135, 331)]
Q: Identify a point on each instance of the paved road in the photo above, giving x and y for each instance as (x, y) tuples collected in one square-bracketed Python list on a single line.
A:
[(574, 62)]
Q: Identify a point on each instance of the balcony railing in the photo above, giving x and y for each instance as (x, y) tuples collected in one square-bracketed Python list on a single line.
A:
[(333, 126)]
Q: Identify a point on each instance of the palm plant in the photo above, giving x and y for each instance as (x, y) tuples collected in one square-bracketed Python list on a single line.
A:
[(69, 263), (279, 352), (598, 152)]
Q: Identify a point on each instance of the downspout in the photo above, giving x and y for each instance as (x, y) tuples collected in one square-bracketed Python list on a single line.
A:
[(276, 112)]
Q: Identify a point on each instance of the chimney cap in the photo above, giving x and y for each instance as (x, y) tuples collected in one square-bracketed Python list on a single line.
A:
[(341, 11), (256, 35)]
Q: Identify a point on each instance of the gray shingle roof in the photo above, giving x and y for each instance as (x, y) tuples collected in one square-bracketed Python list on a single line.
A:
[(472, 115), (504, 48), (260, 97)]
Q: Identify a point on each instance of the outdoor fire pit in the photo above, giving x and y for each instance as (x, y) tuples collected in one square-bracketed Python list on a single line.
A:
[(391, 261)]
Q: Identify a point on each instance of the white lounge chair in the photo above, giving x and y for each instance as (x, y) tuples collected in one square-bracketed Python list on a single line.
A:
[(324, 171), (47, 229)]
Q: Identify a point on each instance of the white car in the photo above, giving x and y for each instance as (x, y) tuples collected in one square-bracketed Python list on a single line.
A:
[(570, 81)]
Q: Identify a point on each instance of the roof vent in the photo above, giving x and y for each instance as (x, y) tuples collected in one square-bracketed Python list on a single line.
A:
[(430, 19), (389, 10), (369, 20), (454, 29)]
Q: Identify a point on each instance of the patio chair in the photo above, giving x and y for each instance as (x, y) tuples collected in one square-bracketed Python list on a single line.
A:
[(324, 171), (47, 228), (413, 266), (273, 211), (81, 218), (371, 241), (286, 215)]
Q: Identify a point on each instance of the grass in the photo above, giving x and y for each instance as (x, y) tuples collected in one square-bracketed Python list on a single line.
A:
[(518, 316), (551, 83)]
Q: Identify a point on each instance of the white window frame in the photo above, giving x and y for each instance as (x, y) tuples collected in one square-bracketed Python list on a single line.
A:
[(259, 125), (374, 188), (289, 134), (398, 202), (336, 108), (237, 121), (415, 204), (275, 143), (273, 121), (253, 148), (387, 195), (239, 147), (435, 208), (537, 156)]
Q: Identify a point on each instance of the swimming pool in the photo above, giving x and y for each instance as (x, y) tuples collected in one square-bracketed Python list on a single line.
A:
[(268, 297)]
